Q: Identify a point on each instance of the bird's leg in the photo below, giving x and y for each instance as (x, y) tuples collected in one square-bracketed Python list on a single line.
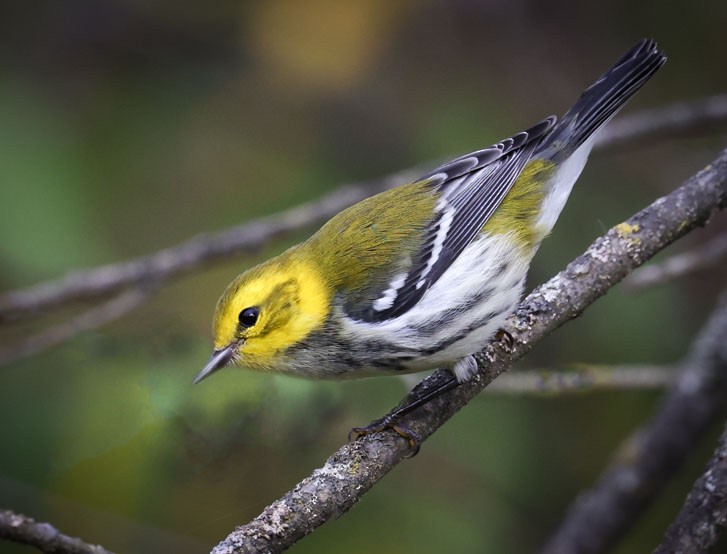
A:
[(391, 420), (462, 371)]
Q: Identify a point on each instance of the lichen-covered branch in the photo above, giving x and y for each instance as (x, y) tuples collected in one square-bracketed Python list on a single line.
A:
[(351, 471), (22, 529), (201, 250), (704, 515), (652, 454)]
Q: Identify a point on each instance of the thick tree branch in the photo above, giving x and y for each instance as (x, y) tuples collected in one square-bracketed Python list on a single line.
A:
[(333, 489), (183, 258), (653, 453), (703, 257), (43, 536), (704, 515), (582, 379)]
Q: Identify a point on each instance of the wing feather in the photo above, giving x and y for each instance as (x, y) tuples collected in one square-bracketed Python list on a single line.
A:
[(471, 188)]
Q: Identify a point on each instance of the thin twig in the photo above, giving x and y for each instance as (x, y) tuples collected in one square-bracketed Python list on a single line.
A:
[(22, 529), (351, 471), (90, 319), (183, 258), (679, 265), (646, 460), (681, 118), (704, 515), (582, 380)]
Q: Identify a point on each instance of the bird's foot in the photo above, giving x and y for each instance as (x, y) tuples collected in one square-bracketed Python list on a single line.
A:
[(505, 337), (390, 421), (393, 420)]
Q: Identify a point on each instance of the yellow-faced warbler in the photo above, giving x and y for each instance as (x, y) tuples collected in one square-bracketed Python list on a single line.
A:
[(423, 275)]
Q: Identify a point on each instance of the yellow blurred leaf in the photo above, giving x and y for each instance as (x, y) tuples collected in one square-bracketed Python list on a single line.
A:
[(321, 45)]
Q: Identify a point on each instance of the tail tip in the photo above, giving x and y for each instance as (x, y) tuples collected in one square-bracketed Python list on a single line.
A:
[(646, 47)]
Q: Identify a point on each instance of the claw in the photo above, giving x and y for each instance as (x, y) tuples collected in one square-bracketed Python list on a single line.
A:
[(392, 420), (504, 336), (386, 423)]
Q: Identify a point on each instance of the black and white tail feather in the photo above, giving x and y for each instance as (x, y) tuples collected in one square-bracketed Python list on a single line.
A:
[(602, 100)]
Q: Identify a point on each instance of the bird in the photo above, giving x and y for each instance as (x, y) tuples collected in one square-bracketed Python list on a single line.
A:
[(423, 275)]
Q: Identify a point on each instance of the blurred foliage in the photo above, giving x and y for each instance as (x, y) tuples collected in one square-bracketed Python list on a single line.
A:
[(128, 126)]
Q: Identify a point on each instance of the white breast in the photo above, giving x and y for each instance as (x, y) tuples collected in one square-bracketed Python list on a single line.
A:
[(493, 264)]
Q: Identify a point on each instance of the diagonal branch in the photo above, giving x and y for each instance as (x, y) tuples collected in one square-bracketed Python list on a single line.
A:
[(351, 471), (704, 515), (98, 282), (22, 529), (652, 454), (175, 261)]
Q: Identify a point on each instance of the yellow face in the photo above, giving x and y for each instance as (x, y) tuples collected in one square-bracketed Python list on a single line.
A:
[(269, 308)]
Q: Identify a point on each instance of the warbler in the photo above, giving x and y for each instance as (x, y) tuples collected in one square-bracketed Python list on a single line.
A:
[(423, 275)]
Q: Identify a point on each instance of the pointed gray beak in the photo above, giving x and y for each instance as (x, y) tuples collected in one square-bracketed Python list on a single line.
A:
[(220, 358)]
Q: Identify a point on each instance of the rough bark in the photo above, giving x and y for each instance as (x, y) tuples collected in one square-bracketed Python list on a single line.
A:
[(704, 515)]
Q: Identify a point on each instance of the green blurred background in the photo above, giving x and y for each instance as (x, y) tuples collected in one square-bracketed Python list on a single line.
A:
[(127, 126)]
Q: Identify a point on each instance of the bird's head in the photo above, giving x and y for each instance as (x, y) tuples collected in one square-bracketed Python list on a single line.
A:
[(265, 311)]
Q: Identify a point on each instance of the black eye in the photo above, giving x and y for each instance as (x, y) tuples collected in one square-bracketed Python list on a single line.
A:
[(248, 317)]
